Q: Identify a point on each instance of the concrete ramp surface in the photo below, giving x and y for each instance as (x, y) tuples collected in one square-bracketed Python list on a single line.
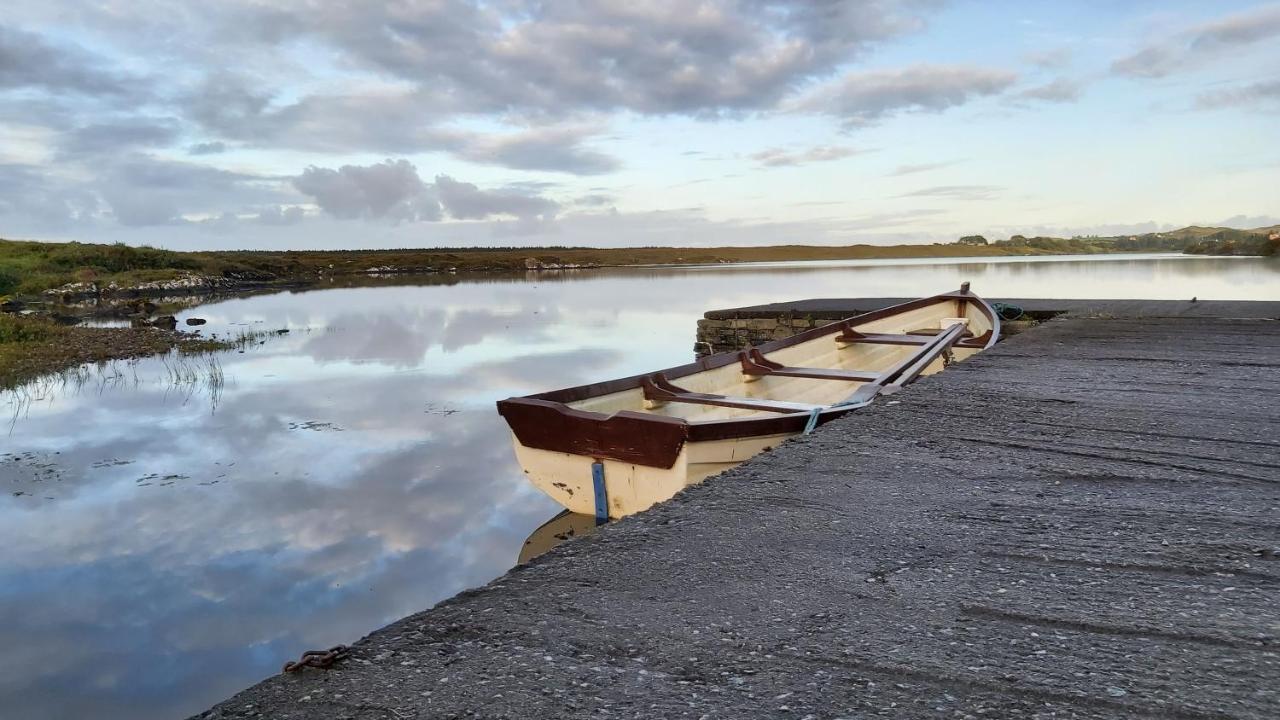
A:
[(1081, 522)]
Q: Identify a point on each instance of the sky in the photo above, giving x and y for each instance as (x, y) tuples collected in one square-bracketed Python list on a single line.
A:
[(428, 123)]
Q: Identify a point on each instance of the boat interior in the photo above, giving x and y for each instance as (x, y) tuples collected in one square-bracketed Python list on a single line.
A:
[(844, 363)]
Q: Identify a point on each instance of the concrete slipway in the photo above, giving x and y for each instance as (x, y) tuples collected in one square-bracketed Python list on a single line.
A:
[(1082, 522)]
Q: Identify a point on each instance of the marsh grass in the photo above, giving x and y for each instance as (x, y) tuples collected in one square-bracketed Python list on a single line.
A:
[(184, 375), (32, 347)]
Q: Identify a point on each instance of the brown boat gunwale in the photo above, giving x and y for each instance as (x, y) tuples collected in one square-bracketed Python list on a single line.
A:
[(655, 449)]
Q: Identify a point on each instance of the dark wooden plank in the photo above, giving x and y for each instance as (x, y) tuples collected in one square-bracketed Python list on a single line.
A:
[(755, 363), (633, 437), (659, 389), (850, 336)]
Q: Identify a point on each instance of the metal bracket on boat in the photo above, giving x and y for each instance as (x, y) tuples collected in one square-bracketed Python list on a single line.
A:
[(813, 420), (602, 494), (848, 336)]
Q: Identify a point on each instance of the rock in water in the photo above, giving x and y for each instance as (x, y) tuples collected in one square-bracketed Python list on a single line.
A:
[(196, 321)]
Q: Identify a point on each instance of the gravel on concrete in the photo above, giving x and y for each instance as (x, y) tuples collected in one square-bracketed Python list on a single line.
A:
[(1082, 522)]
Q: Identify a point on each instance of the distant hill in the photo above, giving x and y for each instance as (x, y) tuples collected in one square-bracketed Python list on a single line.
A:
[(1229, 241)]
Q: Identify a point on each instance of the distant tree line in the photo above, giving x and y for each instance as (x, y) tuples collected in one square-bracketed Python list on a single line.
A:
[(1202, 241)]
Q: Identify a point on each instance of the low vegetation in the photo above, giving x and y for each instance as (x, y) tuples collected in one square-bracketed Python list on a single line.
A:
[(1227, 241), (31, 346), (34, 346), (1193, 240), (28, 268)]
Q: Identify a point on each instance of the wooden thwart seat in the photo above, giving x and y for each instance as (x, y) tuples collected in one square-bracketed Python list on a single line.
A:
[(657, 388), (909, 369), (849, 336), (754, 363)]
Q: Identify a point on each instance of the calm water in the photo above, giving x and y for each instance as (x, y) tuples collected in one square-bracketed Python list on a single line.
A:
[(171, 536)]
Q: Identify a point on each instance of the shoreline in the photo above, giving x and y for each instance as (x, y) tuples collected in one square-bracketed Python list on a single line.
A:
[(31, 269), (189, 284), (55, 312)]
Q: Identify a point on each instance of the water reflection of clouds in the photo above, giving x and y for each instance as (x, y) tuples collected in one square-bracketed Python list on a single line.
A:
[(402, 338), (138, 601), (310, 537), (279, 561)]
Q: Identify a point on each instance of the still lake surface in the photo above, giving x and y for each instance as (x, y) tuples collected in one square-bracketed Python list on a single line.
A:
[(172, 536)]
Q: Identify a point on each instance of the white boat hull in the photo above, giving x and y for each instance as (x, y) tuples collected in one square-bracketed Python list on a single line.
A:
[(630, 488)]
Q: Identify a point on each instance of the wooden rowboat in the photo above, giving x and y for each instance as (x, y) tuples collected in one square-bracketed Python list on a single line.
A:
[(615, 448)]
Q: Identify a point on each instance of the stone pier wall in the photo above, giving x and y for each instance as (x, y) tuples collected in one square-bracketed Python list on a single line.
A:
[(738, 328), (720, 334)]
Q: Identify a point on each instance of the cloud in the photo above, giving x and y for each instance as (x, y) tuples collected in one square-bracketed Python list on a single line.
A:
[(225, 99), (393, 190), (390, 189), (1247, 222), (116, 137), (1149, 62), (959, 192), (522, 84), (143, 190), (387, 118), (373, 118), (1254, 94), (551, 148), (861, 98), (133, 189), (778, 157), (922, 167), (594, 200), (1060, 90), (207, 148), (465, 201), (880, 221), (1242, 28), (27, 60), (1049, 59), (280, 215), (1201, 43), (425, 64), (35, 196), (657, 57)]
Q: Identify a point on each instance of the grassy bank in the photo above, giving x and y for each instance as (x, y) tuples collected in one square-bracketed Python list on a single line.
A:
[(31, 347), (28, 268)]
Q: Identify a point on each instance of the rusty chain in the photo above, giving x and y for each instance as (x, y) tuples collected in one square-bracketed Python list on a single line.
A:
[(318, 658)]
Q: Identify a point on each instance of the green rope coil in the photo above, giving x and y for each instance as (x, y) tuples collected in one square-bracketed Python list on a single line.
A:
[(1007, 311)]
